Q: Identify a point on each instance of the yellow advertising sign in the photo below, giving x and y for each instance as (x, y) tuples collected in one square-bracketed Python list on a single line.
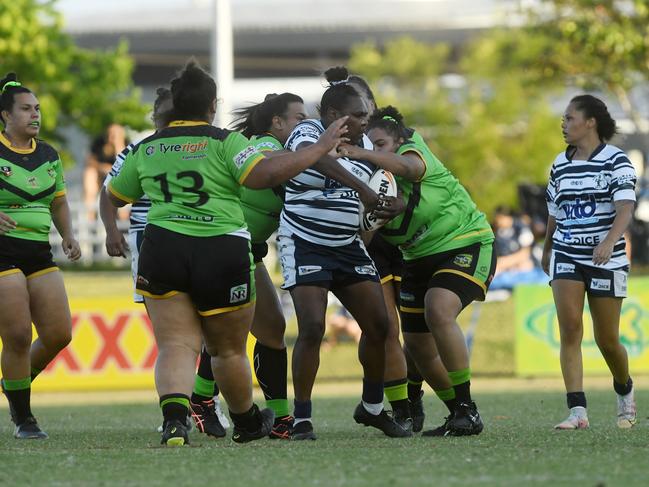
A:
[(112, 347), (537, 332)]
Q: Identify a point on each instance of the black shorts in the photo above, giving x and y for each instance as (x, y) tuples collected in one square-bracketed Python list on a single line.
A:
[(466, 271), (216, 272), (31, 257), (306, 263), (387, 259), (599, 282), (259, 251)]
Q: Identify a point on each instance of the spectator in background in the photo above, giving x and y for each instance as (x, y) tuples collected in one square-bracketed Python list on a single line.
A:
[(103, 151), (517, 262)]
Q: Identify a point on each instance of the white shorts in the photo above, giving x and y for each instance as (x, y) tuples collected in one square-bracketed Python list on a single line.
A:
[(134, 242)]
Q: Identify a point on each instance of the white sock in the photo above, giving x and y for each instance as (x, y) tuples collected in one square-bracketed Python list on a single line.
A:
[(579, 411), (297, 421), (374, 409)]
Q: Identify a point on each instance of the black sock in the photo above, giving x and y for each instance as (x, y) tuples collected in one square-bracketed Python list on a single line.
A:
[(463, 392), (248, 421), (204, 372), (451, 404), (623, 389), (401, 406), (175, 407), (372, 392), (575, 399), (415, 383), (302, 409), (270, 368), (20, 402)]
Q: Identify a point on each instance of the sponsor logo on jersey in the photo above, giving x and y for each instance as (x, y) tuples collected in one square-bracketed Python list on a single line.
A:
[(265, 146), (562, 268), (303, 270), (239, 293), (150, 150), (367, 270), (32, 182), (189, 147), (580, 211), (600, 284), (6, 171), (241, 158), (463, 260), (591, 240)]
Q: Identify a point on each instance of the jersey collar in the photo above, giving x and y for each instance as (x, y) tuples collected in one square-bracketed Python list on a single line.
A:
[(186, 123), (5, 141)]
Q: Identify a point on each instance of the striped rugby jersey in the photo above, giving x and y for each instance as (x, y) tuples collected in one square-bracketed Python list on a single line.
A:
[(317, 208), (140, 208), (581, 196)]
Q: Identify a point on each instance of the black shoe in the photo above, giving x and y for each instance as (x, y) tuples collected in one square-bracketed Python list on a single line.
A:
[(265, 419), (282, 428), (206, 420), (403, 419), (440, 430), (383, 421), (303, 431), (29, 430), (175, 433), (466, 420), (12, 411), (417, 413)]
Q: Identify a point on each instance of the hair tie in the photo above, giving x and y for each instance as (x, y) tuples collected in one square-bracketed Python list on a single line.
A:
[(340, 82), (10, 83), (391, 119)]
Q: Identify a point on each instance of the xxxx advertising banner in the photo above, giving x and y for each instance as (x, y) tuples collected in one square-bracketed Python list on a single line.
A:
[(112, 348), (537, 332)]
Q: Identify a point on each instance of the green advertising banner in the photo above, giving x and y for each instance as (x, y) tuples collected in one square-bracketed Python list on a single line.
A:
[(537, 332)]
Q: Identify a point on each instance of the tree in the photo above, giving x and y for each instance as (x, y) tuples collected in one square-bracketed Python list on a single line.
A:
[(491, 133), (75, 86)]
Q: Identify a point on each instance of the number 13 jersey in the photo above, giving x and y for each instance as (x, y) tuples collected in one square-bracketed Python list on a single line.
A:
[(192, 172)]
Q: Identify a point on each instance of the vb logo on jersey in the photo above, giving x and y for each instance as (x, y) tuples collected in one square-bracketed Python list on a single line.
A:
[(238, 293)]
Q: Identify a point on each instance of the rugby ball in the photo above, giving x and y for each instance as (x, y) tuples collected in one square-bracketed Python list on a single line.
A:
[(382, 183)]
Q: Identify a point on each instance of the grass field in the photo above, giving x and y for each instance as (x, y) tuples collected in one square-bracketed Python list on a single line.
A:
[(116, 444)]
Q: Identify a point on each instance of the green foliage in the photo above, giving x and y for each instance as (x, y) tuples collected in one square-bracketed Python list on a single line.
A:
[(498, 129), (88, 88), (492, 132)]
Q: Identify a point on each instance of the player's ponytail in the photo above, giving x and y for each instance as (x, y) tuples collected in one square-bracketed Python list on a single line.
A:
[(258, 119), (391, 121), (339, 92), (193, 92)]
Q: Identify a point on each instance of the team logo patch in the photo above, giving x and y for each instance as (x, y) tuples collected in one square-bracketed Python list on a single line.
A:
[(367, 270), (239, 293), (150, 150), (6, 171), (562, 268), (600, 284), (407, 297), (142, 280), (463, 260), (600, 181), (241, 158), (303, 270)]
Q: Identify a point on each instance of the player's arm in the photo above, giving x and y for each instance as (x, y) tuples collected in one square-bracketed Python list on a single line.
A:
[(116, 245), (268, 172), (409, 165), (60, 211), (623, 216), (547, 245), (125, 188)]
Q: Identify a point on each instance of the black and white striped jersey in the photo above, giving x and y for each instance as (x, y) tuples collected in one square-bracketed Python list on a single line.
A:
[(139, 209), (317, 208), (581, 196)]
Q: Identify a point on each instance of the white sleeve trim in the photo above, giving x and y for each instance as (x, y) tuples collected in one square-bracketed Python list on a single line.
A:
[(624, 194)]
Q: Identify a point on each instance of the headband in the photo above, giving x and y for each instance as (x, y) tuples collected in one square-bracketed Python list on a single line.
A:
[(15, 84), (391, 119), (341, 82)]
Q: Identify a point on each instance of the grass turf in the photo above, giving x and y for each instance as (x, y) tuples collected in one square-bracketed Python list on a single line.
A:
[(104, 445)]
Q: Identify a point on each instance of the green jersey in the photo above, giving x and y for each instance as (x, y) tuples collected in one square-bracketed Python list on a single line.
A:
[(440, 214), (192, 173), (29, 180), (262, 207)]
